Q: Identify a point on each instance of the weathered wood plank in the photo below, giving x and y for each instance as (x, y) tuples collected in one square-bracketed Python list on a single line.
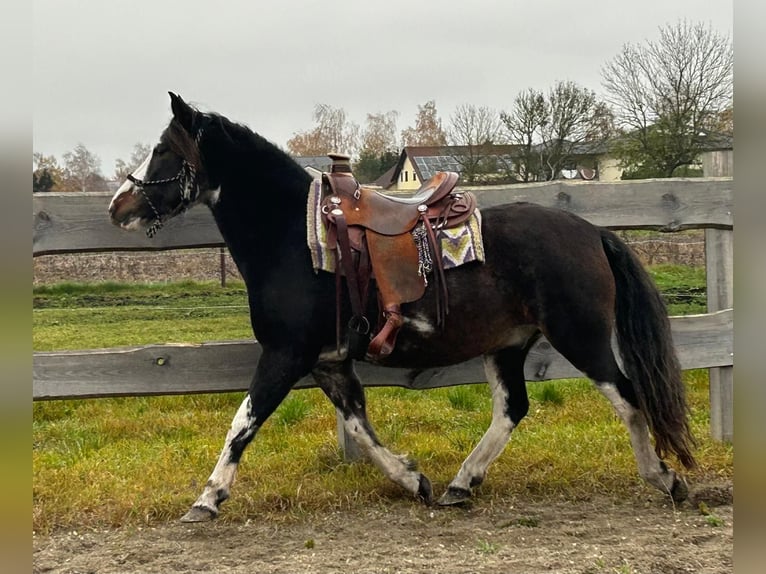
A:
[(660, 204), (701, 341), (719, 262), (78, 222)]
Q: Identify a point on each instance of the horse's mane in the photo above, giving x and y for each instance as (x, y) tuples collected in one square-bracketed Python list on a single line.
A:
[(263, 156), (240, 152)]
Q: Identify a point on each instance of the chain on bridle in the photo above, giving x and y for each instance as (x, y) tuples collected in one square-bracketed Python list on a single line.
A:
[(188, 187)]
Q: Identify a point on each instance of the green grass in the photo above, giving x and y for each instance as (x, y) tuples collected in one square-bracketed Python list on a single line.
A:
[(683, 288), (467, 398), (83, 316), (546, 392), (293, 410), (143, 460)]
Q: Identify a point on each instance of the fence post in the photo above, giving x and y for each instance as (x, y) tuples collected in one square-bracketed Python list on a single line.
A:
[(351, 451), (223, 266), (719, 257)]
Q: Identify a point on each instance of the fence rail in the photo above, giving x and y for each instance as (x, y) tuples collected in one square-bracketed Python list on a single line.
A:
[(78, 222), (701, 341)]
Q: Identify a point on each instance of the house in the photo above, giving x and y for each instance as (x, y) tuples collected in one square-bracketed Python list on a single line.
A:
[(320, 163), (588, 160), (419, 163), (496, 164), (715, 147)]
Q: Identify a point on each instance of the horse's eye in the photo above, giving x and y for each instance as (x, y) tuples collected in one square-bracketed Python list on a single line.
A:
[(160, 149)]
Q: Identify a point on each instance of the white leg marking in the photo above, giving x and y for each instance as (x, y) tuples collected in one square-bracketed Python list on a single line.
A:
[(394, 467), (225, 470), (494, 440), (649, 464)]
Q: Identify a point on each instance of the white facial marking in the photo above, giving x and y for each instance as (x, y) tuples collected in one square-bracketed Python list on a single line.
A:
[(129, 186), (140, 171)]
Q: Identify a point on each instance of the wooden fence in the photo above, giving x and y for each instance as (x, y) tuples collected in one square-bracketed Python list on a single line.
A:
[(78, 222)]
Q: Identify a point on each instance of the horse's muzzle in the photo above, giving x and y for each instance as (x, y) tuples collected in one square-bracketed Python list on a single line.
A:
[(124, 205)]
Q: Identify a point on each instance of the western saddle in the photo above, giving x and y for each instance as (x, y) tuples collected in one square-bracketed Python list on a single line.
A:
[(393, 240)]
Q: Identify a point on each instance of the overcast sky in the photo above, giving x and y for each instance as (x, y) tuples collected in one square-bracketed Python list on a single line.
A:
[(102, 69)]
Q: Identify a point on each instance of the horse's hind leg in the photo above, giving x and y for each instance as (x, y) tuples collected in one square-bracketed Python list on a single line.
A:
[(342, 386), (505, 375), (595, 357), (650, 466)]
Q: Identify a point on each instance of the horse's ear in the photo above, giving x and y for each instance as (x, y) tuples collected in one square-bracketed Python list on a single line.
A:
[(182, 111)]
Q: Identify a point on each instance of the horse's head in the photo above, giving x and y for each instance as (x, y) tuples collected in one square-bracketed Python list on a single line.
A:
[(170, 179)]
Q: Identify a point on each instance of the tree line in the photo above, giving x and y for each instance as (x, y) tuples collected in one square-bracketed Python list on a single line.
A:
[(664, 100), (81, 169)]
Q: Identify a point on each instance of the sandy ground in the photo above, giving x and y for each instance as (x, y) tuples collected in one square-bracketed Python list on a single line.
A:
[(563, 536)]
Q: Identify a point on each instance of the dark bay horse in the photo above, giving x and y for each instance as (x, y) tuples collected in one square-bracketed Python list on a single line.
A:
[(546, 271)]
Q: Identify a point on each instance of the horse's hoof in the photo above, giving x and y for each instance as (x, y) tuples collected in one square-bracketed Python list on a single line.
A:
[(425, 492), (454, 496), (680, 490), (199, 514)]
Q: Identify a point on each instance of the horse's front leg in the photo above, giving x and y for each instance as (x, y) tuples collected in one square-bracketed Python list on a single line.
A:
[(340, 383), (278, 370)]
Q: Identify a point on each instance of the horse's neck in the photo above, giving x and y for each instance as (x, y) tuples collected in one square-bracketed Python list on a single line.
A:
[(260, 221), (260, 208)]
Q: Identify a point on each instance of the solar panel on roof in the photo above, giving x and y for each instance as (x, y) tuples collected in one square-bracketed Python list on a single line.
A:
[(428, 165)]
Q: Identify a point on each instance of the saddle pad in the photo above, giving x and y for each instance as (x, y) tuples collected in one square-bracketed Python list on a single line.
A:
[(460, 244)]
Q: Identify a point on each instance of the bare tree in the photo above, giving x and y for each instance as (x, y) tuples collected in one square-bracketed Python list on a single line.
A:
[(577, 124), (333, 133), (379, 134), (524, 124), (427, 130), (668, 95), (476, 130), (552, 130), (122, 168), (379, 148), (82, 169)]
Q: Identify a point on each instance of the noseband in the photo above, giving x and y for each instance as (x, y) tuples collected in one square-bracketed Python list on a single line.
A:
[(188, 187)]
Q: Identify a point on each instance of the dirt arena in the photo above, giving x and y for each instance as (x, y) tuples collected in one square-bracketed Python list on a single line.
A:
[(638, 535)]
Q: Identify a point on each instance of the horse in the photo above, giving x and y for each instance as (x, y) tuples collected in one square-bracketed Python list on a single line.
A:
[(545, 272)]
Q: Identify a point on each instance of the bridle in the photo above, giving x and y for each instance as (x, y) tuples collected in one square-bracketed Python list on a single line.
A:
[(188, 187)]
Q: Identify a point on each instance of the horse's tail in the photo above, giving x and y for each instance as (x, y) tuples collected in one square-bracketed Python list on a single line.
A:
[(646, 347)]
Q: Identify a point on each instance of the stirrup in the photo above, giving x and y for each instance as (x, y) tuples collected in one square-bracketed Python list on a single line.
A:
[(383, 343)]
